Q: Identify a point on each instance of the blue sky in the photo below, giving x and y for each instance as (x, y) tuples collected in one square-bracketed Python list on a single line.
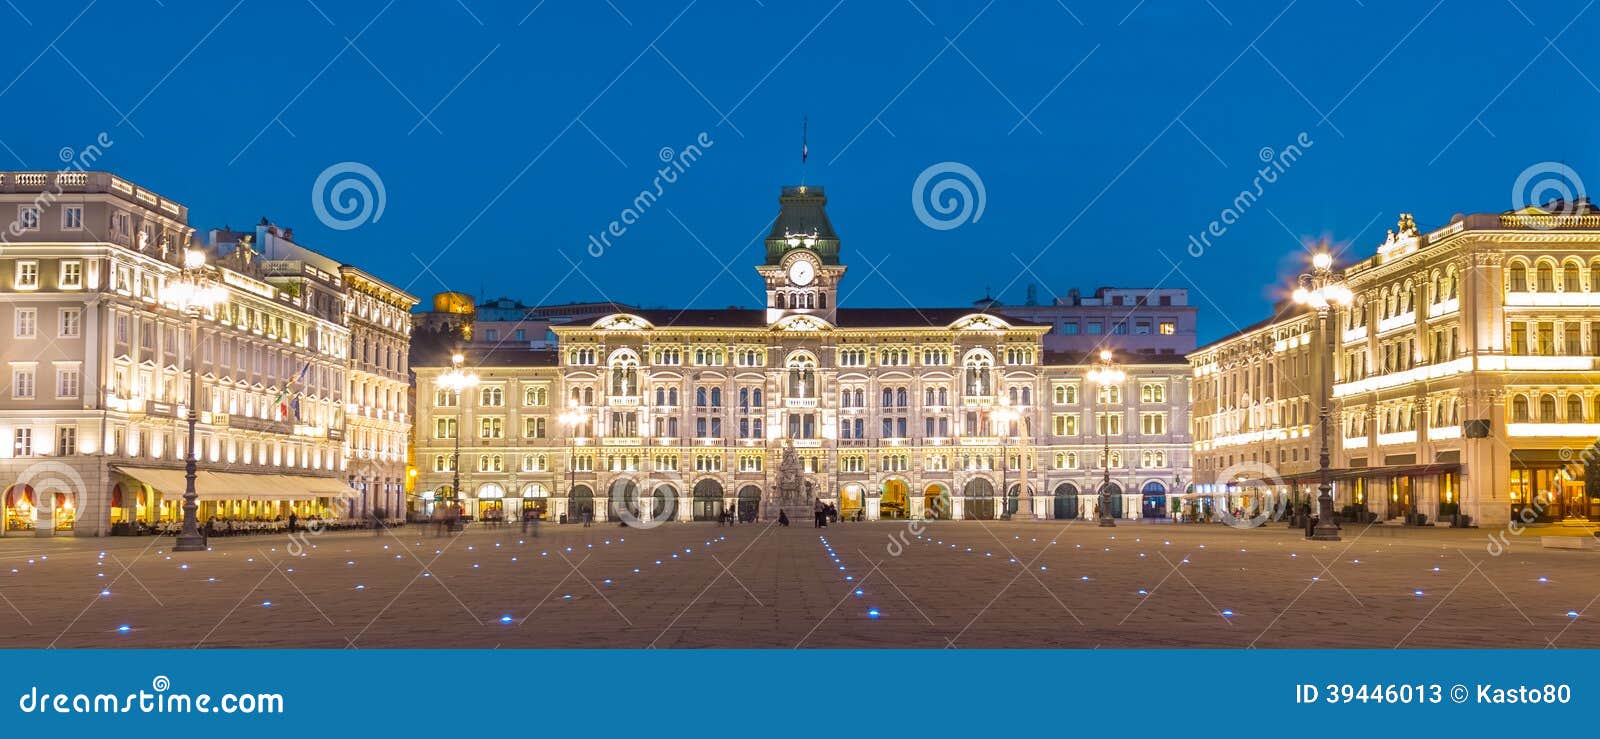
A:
[(1104, 133)]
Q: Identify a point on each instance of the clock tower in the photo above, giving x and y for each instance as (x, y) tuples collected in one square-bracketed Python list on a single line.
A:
[(802, 268)]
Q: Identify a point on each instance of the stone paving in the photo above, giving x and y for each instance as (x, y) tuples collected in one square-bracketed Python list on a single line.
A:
[(963, 584)]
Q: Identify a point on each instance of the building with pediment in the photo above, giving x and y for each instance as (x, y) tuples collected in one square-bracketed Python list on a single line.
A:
[(891, 412), (1463, 379)]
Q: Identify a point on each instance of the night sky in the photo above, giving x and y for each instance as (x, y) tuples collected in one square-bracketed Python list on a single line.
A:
[(1105, 133)]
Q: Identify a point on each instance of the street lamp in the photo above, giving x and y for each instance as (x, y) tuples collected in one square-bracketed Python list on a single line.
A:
[(458, 381), (1107, 375), (193, 293), (1004, 415), (1325, 292), (572, 418)]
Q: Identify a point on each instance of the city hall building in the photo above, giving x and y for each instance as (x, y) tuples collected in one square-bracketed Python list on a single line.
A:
[(1463, 379), (883, 412)]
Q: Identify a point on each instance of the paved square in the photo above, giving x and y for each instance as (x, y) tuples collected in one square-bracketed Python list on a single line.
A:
[(934, 585)]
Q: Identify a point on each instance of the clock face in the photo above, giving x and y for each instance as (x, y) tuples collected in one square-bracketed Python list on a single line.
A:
[(801, 273)]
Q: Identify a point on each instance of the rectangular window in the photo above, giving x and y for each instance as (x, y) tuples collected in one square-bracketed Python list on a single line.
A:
[(67, 441), (71, 320), (1094, 328), (1070, 329), (68, 382), (22, 383), (27, 323), (444, 428), (27, 277), (71, 276), (22, 442), (71, 217), (1168, 328), (28, 217)]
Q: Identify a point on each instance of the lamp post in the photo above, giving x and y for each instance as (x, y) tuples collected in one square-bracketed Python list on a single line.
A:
[(1325, 292), (1004, 415), (193, 293), (1107, 375), (572, 418), (457, 380)]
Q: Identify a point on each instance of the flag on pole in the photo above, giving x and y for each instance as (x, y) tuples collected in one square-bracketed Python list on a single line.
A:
[(804, 149)]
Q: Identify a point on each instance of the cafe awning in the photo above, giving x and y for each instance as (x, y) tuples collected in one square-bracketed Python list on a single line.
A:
[(211, 485)]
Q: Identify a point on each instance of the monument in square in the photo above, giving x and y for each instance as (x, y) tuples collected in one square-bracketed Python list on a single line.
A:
[(793, 493)]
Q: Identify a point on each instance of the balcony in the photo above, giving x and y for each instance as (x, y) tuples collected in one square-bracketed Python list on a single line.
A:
[(1552, 299), (247, 423), (1444, 308)]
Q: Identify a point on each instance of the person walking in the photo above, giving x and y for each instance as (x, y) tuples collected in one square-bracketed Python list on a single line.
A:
[(294, 521)]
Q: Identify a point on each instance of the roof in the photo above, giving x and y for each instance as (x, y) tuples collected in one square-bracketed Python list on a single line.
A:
[(1284, 311), (505, 356), (1058, 359), (847, 318), (802, 210)]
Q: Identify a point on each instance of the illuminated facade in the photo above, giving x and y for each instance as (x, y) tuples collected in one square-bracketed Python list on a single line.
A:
[(1464, 375), (890, 412), (97, 363)]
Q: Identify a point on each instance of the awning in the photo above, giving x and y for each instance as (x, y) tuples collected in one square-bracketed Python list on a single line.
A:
[(210, 485)]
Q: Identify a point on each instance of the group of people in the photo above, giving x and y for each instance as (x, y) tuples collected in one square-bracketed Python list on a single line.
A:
[(824, 513), (446, 518)]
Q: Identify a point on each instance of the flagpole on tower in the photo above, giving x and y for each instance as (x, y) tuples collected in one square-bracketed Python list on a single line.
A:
[(805, 150)]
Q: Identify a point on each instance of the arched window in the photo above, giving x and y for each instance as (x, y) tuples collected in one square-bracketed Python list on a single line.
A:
[(1571, 278), (1547, 408), (1519, 278), (900, 398), (979, 370), (1546, 276), (1519, 409), (700, 397), (1027, 396), (755, 397), (802, 377), (778, 300), (716, 397), (624, 374), (1574, 408)]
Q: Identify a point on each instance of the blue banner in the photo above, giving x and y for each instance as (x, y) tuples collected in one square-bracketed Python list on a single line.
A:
[(716, 693)]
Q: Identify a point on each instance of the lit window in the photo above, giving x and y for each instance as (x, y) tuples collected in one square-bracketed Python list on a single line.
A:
[(27, 277)]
